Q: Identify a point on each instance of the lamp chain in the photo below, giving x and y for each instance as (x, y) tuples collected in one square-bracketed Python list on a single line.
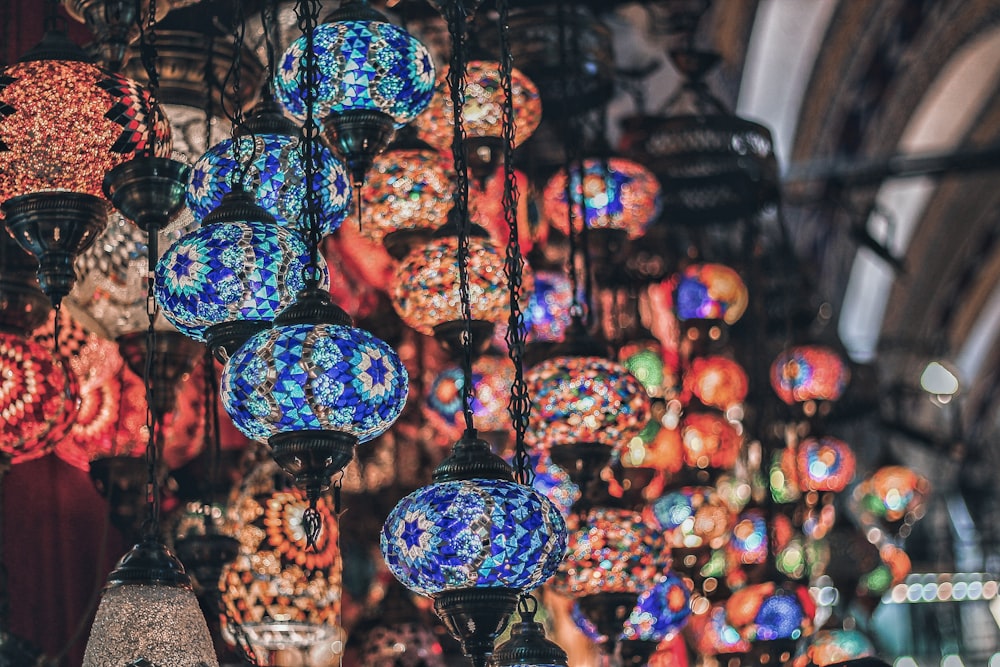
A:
[(269, 21), (456, 15), (307, 13), (148, 55), (520, 405), (235, 115), (151, 528)]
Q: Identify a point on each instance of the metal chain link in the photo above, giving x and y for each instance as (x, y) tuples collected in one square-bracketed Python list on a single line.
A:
[(456, 86), (148, 55), (151, 527), (307, 14), (235, 115), (569, 140), (519, 406)]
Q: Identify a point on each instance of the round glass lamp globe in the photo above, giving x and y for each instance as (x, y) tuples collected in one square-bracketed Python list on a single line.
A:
[(478, 533), (301, 377), (809, 373), (66, 123), (617, 194), (227, 271), (363, 65), (274, 173)]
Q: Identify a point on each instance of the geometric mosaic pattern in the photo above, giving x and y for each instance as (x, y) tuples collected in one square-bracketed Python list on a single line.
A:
[(274, 167), (362, 65), (617, 194), (584, 399), (479, 533), (406, 189), (65, 123), (809, 373), (230, 271), (710, 292), (302, 377)]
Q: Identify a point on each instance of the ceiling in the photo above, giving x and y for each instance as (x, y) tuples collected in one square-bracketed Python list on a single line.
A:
[(886, 121)]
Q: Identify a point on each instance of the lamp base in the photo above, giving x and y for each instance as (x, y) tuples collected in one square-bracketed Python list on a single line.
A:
[(608, 612), (476, 616), (149, 191), (224, 339), (55, 227), (175, 357), (312, 458), (451, 335), (358, 136)]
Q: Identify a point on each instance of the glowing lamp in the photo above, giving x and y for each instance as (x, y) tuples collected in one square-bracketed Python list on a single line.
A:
[(831, 647), (644, 359), (748, 543), (273, 172), (617, 194), (710, 292), (610, 550), (784, 476), (661, 611), (549, 306), (693, 517), (482, 113), (825, 464), (765, 612), (809, 373), (37, 399), (716, 381), (373, 77), (426, 292), (280, 590), (893, 493), (713, 634), (710, 441)]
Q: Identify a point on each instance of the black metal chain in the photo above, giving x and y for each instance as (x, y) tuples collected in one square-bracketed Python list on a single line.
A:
[(235, 114), (457, 24), (151, 528), (269, 22), (307, 14), (148, 55), (519, 406)]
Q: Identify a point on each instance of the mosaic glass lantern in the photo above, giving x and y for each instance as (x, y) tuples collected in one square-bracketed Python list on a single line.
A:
[(313, 386), (408, 193), (825, 464), (661, 611), (491, 376), (710, 292), (809, 373), (373, 77), (748, 542), (617, 194), (584, 399), (709, 441), (282, 592), (66, 122), (713, 634), (402, 644), (482, 113), (273, 172), (893, 493), (716, 381), (784, 476), (553, 483), (831, 647), (528, 646), (230, 277), (474, 541), (693, 517), (549, 306), (37, 399), (426, 292), (610, 550), (644, 359)]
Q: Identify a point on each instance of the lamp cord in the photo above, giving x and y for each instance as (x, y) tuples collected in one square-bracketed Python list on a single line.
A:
[(307, 13), (519, 406), (456, 17)]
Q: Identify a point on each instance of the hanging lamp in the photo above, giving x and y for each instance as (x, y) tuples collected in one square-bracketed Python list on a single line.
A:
[(65, 123), (271, 172), (374, 78), (527, 645)]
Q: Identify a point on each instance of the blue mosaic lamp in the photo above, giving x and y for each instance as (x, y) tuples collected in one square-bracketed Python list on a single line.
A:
[(659, 613), (374, 77), (270, 147), (228, 279), (313, 387), (474, 541)]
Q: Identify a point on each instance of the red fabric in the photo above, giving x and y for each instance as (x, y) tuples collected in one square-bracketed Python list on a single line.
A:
[(54, 522)]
